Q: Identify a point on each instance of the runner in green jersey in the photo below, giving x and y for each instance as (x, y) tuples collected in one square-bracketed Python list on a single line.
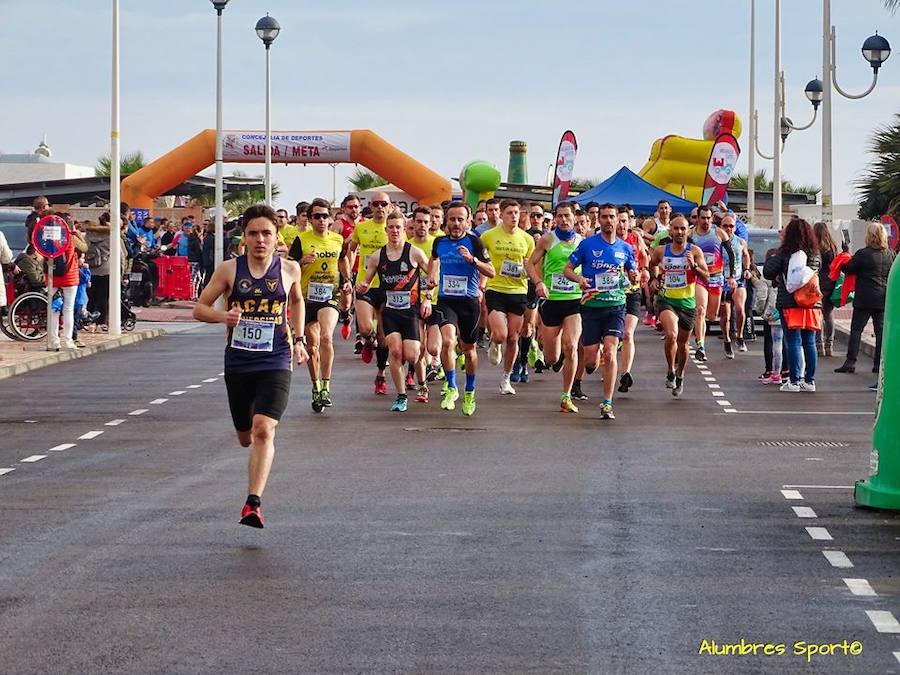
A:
[(560, 298)]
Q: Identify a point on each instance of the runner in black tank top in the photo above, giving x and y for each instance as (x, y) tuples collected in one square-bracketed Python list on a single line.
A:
[(397, 266), (258, 286)]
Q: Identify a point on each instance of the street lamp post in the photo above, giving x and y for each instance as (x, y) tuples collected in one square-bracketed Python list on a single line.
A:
[(876, 51), (267, 29), (114, 311), (218, 244), (751, 158)]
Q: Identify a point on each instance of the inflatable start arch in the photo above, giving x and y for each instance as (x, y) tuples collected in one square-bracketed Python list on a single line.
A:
[(358, 146)]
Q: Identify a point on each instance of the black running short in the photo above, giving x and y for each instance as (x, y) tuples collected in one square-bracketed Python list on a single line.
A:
[(404, 321), (633, 303), (531, 298), (313, 308), (554, 312), (463, 313), (261, 392), (374, 296), (508, 303), (685, 316)]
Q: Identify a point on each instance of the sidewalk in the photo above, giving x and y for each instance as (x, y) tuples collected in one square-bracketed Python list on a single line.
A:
[(842, 318), (168, 311)]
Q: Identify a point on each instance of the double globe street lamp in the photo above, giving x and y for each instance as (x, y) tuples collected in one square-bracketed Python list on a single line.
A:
[(267, 29)]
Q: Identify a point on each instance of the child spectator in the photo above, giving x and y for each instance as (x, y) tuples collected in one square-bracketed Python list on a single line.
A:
[(81, 297)]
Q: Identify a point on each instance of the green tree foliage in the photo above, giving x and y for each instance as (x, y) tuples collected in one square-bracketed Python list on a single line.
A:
[(362, 180), (128, 163), (238, 202), (762, 183), (582, 184), (879, 187)]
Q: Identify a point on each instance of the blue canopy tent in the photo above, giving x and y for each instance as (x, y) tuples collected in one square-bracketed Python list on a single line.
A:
[(626, 187)]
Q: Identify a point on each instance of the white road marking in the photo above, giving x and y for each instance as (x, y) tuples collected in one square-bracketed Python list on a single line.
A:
[(221, 374), (713, 386), (176, 393), (801, 412), (804, 512), (821, 487), (883, 621), (61, 447), (89, 435), (897, 655), (114, 423), (158, 401), (791, 494), (194, 386), (860, 587), (814, 459), (819, 534), (717, 393), (6, 470), (728, 403), (709, 379), (211, 379), (837, 558), (139, 411), (33, 458), (730, 410)]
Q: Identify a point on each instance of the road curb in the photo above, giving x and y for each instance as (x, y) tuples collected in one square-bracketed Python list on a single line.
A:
[(865, 347), (52, 358)]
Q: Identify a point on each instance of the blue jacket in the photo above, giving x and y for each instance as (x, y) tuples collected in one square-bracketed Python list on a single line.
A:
[(84, 278)]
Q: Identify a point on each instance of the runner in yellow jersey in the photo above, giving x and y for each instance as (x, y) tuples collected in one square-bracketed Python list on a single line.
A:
[(423, 240), (506, 293), (367, 239), (325, 271), (674, 271)]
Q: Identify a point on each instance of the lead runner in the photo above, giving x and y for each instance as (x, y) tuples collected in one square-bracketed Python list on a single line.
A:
[(258, 287)]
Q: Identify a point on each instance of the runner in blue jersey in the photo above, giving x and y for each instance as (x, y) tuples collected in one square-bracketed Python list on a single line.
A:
[(464, 267), (608, 267), (259, 288)]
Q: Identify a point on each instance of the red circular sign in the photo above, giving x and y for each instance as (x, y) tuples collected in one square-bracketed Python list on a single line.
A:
[(51, 236)]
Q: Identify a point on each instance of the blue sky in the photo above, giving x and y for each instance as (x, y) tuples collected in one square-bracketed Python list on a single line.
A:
[(445, 82)]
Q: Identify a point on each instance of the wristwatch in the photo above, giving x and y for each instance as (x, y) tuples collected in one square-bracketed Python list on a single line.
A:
[(300, 339)]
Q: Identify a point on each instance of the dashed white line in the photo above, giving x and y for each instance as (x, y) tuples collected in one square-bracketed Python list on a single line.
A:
[(821, 487), (6, 470), (897, 655), (89, 435), (717, 393), (211, 379), (139, 411), (158, 401), (61, 447), (791, 494), (802, 412), (814, 459), (819, 533), (709, 379), (804, 512), (883, 621), (860, 587), (729, 410), (838, 559), (33, 458), (114, 423), (728, 403), (194, 386), (221, 374), (176, 393), (713, 386)]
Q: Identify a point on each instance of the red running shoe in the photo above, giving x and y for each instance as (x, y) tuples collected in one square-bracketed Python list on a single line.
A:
[(368, 350), (345, 329), (380, 385), (252, 516), (410, 381)]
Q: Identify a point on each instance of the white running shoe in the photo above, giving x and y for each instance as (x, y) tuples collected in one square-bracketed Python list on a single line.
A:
[(790, 386), (506, 387), (807, 386), (495, 353)]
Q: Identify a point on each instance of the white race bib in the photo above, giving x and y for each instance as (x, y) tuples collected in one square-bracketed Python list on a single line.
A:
[(253, 336), (398, 299), (675, 279), (455, 286), (511, 269), (607, 281), (319, 292), (559, 283)]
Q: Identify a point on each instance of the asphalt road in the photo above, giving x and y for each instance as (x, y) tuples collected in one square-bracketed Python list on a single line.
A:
[(518, 540)]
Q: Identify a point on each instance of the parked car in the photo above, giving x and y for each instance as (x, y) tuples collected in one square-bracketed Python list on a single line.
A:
[(12, 224)]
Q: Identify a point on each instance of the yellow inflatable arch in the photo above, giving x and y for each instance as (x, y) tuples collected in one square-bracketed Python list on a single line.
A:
[(358, 146)]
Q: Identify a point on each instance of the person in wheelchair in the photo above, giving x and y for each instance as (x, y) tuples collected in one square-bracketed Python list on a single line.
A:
[(29, 271)]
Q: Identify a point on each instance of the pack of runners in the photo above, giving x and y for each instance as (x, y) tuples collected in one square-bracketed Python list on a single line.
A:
[(561, 294)]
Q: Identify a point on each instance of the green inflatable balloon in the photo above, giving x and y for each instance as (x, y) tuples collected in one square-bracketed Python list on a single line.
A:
[(479, 180)]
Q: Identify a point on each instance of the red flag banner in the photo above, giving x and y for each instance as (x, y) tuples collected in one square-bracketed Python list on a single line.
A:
[(565, 167), (722, 162)]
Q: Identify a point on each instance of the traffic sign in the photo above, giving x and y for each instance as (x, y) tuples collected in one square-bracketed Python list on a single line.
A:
[(893, 232), (51, 236)]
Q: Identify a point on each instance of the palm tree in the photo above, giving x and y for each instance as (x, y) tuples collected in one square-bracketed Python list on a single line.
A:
[(762, 183), (879, 187), (363, 180), (582, 184), (892, 5), (128, 163), (238, 202)]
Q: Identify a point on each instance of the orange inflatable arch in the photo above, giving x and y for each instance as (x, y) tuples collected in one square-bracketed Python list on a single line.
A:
[(358, 146)]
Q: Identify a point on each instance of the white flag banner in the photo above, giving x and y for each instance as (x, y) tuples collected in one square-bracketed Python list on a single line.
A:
[(250, 146)]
